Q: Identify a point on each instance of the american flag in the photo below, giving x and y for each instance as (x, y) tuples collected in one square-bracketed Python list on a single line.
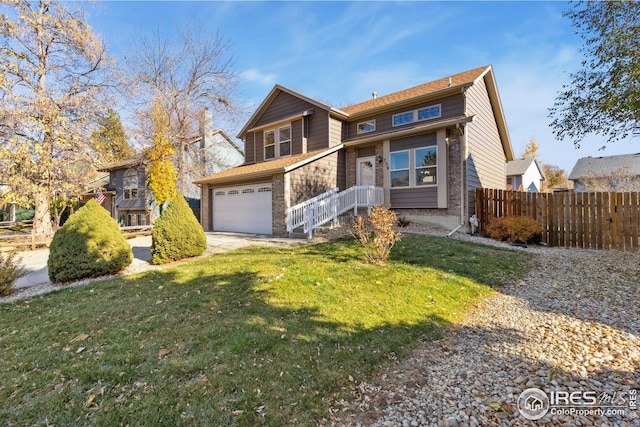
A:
[(100, 198)]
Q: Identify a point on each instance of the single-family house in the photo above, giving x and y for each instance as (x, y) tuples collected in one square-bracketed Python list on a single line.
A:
[(129, 198), (427, 147), (525, 175), (607, 173)]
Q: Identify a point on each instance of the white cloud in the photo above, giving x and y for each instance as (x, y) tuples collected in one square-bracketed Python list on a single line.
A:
[(254, 75)]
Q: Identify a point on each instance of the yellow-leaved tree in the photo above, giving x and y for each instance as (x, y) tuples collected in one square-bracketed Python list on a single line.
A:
[(53, 80), (162, 175)]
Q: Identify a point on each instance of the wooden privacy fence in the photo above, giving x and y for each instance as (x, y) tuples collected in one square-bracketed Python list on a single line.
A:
[(582, 220)]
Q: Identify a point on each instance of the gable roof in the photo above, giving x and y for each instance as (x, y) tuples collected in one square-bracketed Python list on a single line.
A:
[(272, 95), (453, 83), (601, 166), (520, 166), (120, 164), (268, 168)]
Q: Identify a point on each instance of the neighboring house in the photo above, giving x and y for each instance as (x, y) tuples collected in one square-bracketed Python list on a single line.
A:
[(610, 173), (129, 198), (525, 175), (7, 210), (429, 147)]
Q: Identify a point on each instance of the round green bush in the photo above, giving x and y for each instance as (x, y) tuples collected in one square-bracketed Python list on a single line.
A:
[(177, 233), (88, 245)]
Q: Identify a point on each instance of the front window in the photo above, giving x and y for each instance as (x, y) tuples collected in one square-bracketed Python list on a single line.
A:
[(284, 139), (280, 138), (399, 168), (130, 185), (413, 168), (417, 115), (368, 126), (425, 164), (270, 145)]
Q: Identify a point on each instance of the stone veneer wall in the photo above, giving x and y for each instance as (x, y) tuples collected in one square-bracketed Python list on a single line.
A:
[(278, 207)]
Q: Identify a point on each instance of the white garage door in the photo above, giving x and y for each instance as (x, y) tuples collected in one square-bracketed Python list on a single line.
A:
[(245, 209)]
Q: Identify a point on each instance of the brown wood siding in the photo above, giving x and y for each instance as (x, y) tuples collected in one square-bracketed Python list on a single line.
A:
[(414, 198), (451, 106), (315, 178), (296, 137), (249, 149), (259, 154), (335, 132), (417, 141), (366, 151), (318, 137), (283, 106), (486, 164)]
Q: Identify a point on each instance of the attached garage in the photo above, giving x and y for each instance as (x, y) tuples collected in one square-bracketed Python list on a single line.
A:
[(245, 209)]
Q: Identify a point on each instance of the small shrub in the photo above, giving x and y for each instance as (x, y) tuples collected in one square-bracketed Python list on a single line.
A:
[(177, 233), (515, 229), (376, 234), (89, 244), (403, 222), (9, 272)]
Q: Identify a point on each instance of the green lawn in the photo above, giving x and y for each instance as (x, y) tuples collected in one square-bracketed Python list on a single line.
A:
[(258, 336)]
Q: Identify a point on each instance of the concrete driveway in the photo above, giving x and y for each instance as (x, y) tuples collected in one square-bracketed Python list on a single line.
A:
[(34, 263)]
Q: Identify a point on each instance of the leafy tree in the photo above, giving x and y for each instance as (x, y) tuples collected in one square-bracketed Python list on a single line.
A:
[(555, 176), (531, 149), (110, 139), (604, 94), (196, 73), (162, 176), (52, 73)]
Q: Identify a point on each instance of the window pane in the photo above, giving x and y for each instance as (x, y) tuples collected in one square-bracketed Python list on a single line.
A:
[(285, 149), (426, 157), (399, 160), (400, 119), (368, 126), (400, 178), (427, 113), (285, 134), (269, 138), (269, 152), (426, 176), (134, 193)]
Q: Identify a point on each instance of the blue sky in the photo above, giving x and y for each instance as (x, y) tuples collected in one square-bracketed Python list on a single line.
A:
[(339, 52)]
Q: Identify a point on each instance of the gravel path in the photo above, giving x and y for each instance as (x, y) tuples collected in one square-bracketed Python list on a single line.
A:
[(572, 325)]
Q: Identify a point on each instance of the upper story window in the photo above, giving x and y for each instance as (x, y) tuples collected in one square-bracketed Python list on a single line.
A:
[(277, 138), (413, 168), (130, 185), (368, 126), (417, 115)]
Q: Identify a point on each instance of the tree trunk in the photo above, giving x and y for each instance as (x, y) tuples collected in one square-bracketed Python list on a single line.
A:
[(42, 217)]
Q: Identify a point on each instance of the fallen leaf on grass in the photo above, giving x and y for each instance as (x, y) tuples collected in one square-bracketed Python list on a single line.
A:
[(163, 352), (80, 350), (237, 412), (78, 339), (89, 401)]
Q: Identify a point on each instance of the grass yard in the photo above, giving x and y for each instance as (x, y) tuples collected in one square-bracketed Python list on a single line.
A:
[(258, 336)]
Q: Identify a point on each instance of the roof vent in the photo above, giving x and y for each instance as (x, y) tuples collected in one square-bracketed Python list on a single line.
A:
[(449, 82), (374, 95)]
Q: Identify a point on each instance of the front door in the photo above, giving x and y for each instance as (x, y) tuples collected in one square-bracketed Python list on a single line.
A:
[(366, 172)]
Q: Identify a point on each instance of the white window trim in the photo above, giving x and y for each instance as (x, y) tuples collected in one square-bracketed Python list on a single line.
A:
[(415, 168), (372, 122), (276, 142), (394, 170), (415, 115), (412, 169), (125, 176)]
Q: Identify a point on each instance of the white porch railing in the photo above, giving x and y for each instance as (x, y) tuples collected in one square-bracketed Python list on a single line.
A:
[(329, 205)]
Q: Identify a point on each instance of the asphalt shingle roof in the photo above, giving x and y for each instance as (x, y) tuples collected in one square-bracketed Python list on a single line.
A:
[(600, 166)]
